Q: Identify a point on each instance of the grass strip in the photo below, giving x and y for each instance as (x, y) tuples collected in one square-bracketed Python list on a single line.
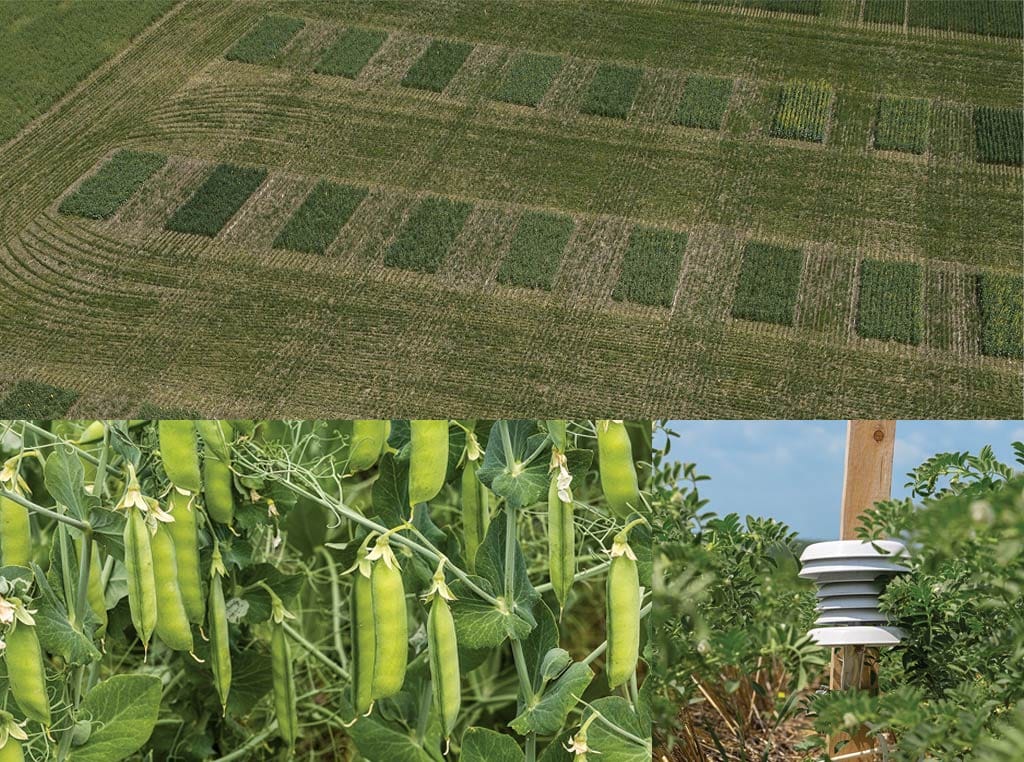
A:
[(1001, 300), (889, 307), (704, 102), (438, 64), (536, 250), (217, 200), (650, 267), (427, 236), (903, 124), (99, 196), (999, 135), (528, 78), (768, 283), (802, 111), (350, 52), (612, 91), (265, 40), (316, 223)]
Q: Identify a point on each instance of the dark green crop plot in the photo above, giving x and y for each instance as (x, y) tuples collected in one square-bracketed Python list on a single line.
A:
[(650, 267), (438, 64), (884, 11), (999, 135), (768, 283), (101, 195), (32, 399), (265, 41), (528, 78), (1001, 299), (612, 91), (704, 102), (903, 124), (316, 223), (805, 7), (802, 111), (536, 250), (427, 236), (1000, 18), (889, 307), (216, 200), (351, 52)]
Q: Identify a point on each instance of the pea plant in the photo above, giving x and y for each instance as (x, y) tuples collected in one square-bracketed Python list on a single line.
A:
[(408, 590)]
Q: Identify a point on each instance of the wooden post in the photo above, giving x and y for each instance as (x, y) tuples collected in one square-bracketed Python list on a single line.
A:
[(866, 480)]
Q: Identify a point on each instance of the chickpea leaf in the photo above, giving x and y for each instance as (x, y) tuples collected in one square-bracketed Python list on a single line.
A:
[(483, 745), (504, 470), (122, 711)]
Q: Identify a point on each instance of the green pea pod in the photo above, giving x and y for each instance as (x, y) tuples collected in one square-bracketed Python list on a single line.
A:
[(476, 514), (428, 460), (185, 535), (556, 430), (220, 641), (138, 560), (364, 643), (217, 436), (618, 476), (368, 441), (391, 626), (12, 751), (561, 543), (180, 452), (15, 533), (445, 676), (623, 620), (26, 673), (94, 591), (284, 685), (217, 490), (171, 621)]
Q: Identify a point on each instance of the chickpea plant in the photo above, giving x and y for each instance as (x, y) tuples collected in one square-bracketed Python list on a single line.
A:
[(408, 590)]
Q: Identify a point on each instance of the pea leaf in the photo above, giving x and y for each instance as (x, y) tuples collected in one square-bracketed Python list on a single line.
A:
[(123, 711), (520, 486), (377, 741), (546, 715), (482, 745), (542, 639), (611, 744), (57, 636), (390, 494), (65, 480)]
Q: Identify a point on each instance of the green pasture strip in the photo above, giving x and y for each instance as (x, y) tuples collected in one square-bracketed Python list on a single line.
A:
[(316, 223), (804, 7), (768, 284), (802, 111), (428, 235), (999, 135), (612, 90), (889, 307), (350, 52), (1001, 300), (266, 40), (884, 11), (438, 64), (217, 200), (650, 267), (35, 400), (99, 196), (528, 78), (536, 251), (704, 102), (903, 124), (999, 18)]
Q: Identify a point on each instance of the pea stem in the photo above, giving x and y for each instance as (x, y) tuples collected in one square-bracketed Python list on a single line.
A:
[(604, 646), (243, 751), (83, 526), (593, 571), (319, 655), (49, 435)]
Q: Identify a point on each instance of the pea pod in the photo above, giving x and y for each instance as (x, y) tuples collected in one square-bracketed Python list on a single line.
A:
[(428, 460), (217, 437), (217, 489), (391, 627), (12, 751), (171, 621), (284, 685), (138, 560), (623, 616), (561, 542), (368, 441), (185, 535), (15, 533), (364, 642), (476, 515), (445, 676), (220, 641), (618, 475), (26, 673), (180, 452), (94, 592)]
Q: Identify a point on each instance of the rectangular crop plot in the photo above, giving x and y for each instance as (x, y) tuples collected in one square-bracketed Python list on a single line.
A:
[(316, 223), (31, 399), (265, 41), (438, 64), (428, 234), (704, 102), (999, 135), (1000, 18), (216, 200), (103, 194), (903, 124), (350, 52), (650, 267), (803, 111), (1001, 299), (612, 91), (768, 284), (884, 11), (889, 307), (536, 250), (528, 78)]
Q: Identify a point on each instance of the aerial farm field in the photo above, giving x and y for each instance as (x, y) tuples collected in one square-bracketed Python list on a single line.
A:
[(739, 208)]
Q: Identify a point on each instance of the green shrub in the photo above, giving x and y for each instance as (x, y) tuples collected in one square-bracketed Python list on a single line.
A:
[(803, 111), (889, 306), (438, 64), (351, 52), (32, 399), (316, 223), (101, 195), (902, 124), (265, 40), (536, 250), (999, 135), (768, 283), (217, 200), (612, 91), (528, 78), (884, 11), (1001, 18), (426, 237), (704, 102), (650, 267), (1001, 300)]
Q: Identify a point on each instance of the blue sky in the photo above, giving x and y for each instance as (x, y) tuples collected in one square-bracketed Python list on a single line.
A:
[(793, 470)]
